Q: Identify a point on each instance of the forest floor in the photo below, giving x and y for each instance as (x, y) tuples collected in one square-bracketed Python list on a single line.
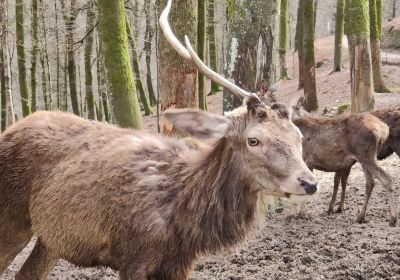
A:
[(318, 246)]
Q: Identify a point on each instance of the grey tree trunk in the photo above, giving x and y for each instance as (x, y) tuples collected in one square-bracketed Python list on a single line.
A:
[(337, 64), (253, 37), (90, 100)]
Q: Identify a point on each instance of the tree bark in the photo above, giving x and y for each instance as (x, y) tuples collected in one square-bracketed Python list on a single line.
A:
[(201, 50), (69, 18), (136, 69), (23, 86), (7, 104), (252, 25), (283, 38), (147, 48), (375, 13), (212, 45), (46, 63), (358, 33), (178, 78), (299, 43), (337, 61), (58, 60), (34, 53), (90, 100), (310, 88), (112, 26)]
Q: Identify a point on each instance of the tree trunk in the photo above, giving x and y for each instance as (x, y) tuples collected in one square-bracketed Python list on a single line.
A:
[(101, 85), (147, 48), (337, 63), (375, 13), (34, 53), (69, 19), (283, 38), (136, 68), (357, 30), (201, 50), (178, 78), (64, 100), (299, 43), (46, 58), (252, 25), (112, 26), (90, 100), (310, 88), (23, 86), (58, 61), (212, 39), (7, 104), (44, 81)]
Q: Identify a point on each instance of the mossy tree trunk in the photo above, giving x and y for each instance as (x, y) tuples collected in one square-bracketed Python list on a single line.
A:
[(358, 33), (283, 38), (310, 87), (201, 50), (70, 18), (212, 43), (114, 37), (375, 14), (252, 25), (147, 48), (299, 43), (178, 78), (23, 86), (136, 68), (337, 61), (35, 49), (7, 104), (90, 100), (46, 64)]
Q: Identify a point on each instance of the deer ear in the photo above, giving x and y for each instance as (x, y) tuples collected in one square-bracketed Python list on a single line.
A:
[(196, 123), (300, 102)]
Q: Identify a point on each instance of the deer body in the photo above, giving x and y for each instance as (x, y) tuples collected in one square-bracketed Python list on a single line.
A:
[(334, 144), (142, 204)]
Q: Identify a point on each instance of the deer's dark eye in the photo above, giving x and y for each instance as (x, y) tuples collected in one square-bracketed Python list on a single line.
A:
[(253, 142)]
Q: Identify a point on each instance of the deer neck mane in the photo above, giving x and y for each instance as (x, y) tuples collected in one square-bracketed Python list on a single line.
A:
[(217, 208)]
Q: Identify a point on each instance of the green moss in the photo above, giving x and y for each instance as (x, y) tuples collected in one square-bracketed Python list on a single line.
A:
[(284, 27), (112, 25), (342, 108), (357, 18)]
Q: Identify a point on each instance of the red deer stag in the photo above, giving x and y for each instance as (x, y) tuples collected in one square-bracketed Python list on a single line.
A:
[(335, 144), (145, 205)]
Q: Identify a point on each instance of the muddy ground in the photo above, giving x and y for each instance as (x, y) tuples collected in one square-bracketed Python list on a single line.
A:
[(319, 246)]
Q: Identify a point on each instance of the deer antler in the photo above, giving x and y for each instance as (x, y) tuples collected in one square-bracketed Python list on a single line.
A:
[(189, 54)]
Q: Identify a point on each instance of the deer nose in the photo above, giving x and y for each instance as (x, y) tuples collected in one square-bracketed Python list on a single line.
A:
[(309, 187)]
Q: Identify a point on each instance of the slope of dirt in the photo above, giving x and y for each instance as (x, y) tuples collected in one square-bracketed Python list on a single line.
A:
[(320, 246)]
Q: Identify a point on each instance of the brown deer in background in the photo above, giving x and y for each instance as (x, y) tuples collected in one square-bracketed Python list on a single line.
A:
[(335, 144), (145, 205)]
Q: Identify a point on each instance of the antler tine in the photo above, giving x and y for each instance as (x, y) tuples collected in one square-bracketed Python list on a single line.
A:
[(214, 76), (169, 35)]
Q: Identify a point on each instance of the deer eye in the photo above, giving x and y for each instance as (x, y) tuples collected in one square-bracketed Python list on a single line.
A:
[(253, 142)]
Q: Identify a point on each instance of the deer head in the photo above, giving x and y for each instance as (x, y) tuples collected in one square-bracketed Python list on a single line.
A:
[(265, 142)]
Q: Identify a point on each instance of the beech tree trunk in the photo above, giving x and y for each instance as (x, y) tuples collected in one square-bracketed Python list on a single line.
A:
[(90, 100), (23, 86), (310, 87), (337, 61), (201, 50), (253, 25), (114, 37), (212, 44), (34, 53), (375, 13), (358, 33), (283, 38), (299, 43), (178, 78), (147, 48)]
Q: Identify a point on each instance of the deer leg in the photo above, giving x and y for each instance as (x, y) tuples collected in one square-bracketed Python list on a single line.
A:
[(345, 177), (336, 182), (369, 186), (13, 238), (387, 183), (39, 263)]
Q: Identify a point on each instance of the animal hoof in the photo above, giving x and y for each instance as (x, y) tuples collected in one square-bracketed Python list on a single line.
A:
[(393, 221), (339, 210)]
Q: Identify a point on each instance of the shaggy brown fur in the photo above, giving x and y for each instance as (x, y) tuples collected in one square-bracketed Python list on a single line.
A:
[(334, 144), (145, 205)]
